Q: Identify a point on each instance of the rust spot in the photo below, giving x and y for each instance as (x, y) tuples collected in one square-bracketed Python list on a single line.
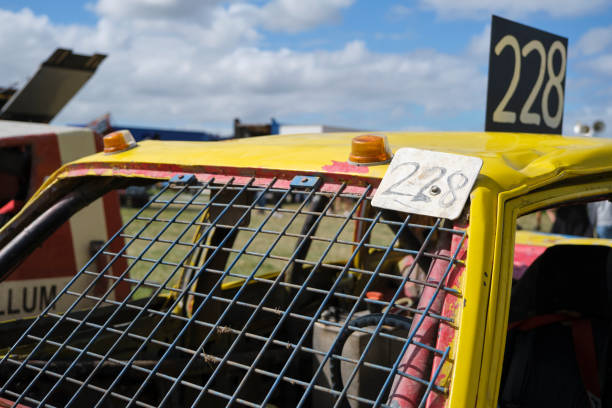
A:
[(345, 167)]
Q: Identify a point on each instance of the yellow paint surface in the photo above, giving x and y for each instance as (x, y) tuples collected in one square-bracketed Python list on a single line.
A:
[(510, 160)]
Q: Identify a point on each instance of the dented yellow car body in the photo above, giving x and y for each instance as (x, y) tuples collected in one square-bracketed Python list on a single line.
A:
[(520, 174)]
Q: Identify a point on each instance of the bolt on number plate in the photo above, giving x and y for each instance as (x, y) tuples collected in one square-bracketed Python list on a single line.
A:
[(427, 183)]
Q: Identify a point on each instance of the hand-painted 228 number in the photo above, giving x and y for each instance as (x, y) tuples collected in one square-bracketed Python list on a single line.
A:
[(555, 80), (425, 182), (428, 190)]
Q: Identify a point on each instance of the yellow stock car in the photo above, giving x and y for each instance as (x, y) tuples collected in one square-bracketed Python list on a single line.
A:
[(262, 275)]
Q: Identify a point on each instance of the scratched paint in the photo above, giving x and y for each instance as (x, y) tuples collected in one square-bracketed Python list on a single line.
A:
[(345, 167)]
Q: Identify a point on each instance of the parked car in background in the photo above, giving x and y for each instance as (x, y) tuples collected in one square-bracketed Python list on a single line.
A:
[(29, 154)]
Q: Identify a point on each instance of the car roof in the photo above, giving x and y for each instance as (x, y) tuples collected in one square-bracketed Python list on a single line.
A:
[(510, 160)]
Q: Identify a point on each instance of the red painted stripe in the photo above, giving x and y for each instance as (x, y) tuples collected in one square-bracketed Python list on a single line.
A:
[(241, 176)]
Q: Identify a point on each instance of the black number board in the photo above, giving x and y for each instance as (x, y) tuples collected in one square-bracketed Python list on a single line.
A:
[(526, 90)]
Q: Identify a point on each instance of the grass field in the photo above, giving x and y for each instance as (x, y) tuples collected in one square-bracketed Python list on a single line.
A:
[(162, 245), (172, 241)]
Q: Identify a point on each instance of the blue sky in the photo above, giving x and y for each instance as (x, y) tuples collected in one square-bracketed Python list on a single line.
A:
[(371, 65)]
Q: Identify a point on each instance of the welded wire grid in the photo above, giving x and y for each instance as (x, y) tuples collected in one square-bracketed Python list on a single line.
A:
[(239, 297)]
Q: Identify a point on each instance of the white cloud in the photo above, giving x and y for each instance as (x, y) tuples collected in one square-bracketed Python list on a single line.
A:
[(25, 40), (159, 72), (483, 8), (200, 71), (298, 15), (156, 9), (253, 84), (400, 10), (278, 15), (595, 40), (601, 65), (480, 44), (194, 74)]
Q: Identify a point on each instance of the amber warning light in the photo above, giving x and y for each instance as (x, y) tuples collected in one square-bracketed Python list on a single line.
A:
[(118, 141), (367, 150)]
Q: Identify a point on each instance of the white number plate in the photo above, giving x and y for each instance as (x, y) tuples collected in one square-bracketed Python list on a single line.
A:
[(427, 183)]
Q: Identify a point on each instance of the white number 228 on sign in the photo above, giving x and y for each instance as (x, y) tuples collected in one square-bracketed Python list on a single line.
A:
[(555, 81)]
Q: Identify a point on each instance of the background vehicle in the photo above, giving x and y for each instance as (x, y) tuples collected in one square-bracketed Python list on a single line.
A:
[(311, 304), (29, 154)]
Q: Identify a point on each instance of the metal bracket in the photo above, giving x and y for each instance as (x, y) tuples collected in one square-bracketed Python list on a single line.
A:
[(183, 179), (305, 182)]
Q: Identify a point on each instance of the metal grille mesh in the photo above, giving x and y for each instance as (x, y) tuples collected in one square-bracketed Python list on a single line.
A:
[(234, 301)]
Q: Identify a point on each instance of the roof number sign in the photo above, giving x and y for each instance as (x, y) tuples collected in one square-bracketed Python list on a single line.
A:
[(526, 79), (427, 183)]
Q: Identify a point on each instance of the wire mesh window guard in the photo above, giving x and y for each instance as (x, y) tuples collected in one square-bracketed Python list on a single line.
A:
[(239, 297)]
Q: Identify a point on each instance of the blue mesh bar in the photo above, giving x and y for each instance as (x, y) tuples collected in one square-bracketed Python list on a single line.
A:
[(54, 301), (242, 294)]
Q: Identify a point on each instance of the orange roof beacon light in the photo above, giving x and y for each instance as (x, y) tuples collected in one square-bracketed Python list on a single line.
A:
[(118, 141), (369, 150)]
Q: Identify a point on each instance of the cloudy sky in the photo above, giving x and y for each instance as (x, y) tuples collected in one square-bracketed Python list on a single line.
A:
[(387, 65)]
